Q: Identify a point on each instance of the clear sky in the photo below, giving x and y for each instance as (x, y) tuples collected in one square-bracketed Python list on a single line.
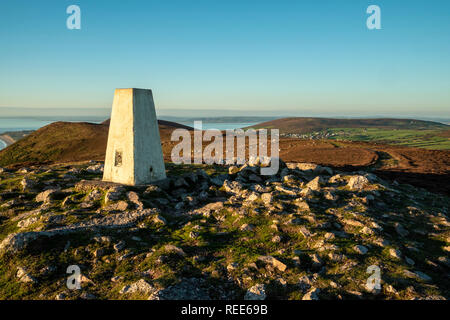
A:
[(300, 56)]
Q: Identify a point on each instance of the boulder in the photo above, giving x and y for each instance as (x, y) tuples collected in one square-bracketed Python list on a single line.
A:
[(312, 294), (140, 286), (316, 183), (28, 184), (266, 198), (96, 168), (48, 195), (357, 182), (257, 292), (273, 262), (24, 277), (361, 249)]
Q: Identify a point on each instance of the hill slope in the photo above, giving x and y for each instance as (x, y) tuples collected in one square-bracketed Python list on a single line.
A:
[(307, 125), (67, 141), (305, 233), (413, 133)]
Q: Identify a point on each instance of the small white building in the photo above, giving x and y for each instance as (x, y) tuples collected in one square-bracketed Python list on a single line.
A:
[(133, 153)]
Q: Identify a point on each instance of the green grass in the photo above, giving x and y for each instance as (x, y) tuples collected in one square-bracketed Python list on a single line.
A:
[(427, 139)]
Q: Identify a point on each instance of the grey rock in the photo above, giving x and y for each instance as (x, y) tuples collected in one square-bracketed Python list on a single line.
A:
[(312, 294), (273, 262), (97, 168), (186, 289), (28, 184), (395, 253), (357, 182), (24, 277), (174, 249), (48, 195), (401, 230), (140, 286), (266, 198), (257, 292), (361, 249), (316, 183), (120, 246)]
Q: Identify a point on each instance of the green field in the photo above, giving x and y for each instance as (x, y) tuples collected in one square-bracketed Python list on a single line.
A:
[(428, 139)]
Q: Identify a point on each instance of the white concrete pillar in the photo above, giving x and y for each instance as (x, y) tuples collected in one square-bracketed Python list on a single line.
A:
[(133, 152)]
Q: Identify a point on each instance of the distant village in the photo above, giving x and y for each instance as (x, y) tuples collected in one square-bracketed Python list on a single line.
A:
[(312, 136)]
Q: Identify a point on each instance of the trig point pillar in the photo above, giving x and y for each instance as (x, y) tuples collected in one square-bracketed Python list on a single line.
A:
[(133, 153)]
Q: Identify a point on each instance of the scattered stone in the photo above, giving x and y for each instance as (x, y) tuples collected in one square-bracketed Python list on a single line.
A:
[(409, 261), (266, 198), (28, 184), (27, 222), (276, 239), (306, 166), (247, 227), (117, 278), (103, 239), (67, 201), (444, 260), (302, 205), (330, 196), (194, 234), (158, 219), (97, 168), (316, 261), (401, 230), (186, 289), (361, 249), (173, 249), (274, 262), (257, 292), (120, 206), (140, 286), (48, 195), (113, 194), (98, 253), (357, 182), (24, 277), (304, 283), (307, 192), (286, 190), (312, 294), (88, 296), (395, 253), (120, 246), (133, 197), (423, 276), (232, 266), (94, 195), (252, 197), (390, 289), (233, 170), (316, 183)]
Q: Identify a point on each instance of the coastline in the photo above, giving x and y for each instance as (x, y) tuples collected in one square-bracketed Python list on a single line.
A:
[(5, 141), (3, 144)]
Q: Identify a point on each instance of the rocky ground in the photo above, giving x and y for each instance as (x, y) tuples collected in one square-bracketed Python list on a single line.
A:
[(216, 232)]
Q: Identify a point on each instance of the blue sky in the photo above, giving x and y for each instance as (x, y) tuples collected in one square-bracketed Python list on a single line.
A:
[(311, 57)]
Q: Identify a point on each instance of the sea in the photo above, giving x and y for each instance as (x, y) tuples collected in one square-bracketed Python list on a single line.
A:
[(20, 124)]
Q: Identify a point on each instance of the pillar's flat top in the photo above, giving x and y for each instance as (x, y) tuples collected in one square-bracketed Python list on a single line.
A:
[(122, 89)]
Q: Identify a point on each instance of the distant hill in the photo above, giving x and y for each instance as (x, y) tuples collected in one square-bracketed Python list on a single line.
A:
[(406, 132), (68, 141), (307, 125)]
